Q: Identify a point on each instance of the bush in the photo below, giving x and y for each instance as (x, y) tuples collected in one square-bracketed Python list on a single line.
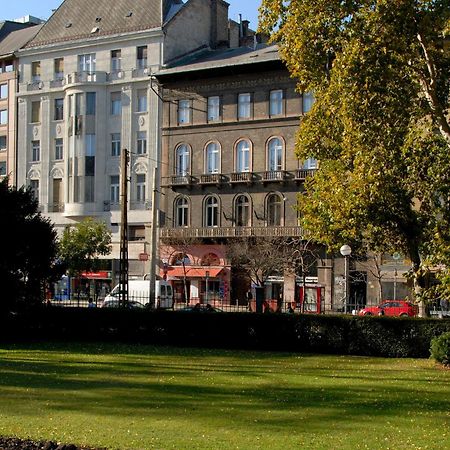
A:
[(440, 349)]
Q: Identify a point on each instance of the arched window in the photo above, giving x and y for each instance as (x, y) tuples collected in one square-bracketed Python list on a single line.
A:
[(275, 155), (210, 259), (243, 156), (181, 212), (274, 210), (182, 160), (212, 212), (212, 158), (179, 259), (242, 211)]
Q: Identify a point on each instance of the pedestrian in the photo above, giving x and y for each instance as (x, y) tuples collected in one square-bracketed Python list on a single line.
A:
[(91, 303)]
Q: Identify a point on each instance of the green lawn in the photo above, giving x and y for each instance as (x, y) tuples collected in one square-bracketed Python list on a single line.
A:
[(143, 397)]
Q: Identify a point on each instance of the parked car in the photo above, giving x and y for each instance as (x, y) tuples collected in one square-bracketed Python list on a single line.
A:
[(115, 303), (200, 308), (399, 308)]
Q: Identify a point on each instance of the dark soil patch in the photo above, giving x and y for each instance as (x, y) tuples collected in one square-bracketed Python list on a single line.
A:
[(26, 444)]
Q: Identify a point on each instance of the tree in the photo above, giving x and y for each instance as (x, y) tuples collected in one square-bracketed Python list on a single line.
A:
[(27, 259), (82, 244), (257, 257), (379, 126)]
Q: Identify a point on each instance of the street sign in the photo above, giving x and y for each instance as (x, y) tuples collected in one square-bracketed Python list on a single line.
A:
[(143, 256)]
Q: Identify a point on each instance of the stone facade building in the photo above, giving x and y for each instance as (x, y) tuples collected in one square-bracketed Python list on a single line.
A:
[(86, 94), (229, 170)]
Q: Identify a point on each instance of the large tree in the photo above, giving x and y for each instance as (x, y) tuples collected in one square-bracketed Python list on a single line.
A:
[(379, 126), (29, 249), (82, 244)]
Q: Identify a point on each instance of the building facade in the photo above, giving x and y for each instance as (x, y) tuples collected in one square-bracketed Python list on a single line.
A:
[(86, 94), (13, 36), (229, 171)]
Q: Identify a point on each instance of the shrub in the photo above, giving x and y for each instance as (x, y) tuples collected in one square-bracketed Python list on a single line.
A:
[(440, 349)]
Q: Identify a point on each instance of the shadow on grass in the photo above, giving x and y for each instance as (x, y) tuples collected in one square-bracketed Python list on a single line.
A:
[(154, 382)]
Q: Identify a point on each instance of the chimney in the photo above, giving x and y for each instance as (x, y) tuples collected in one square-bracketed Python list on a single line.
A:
[(213, 30), (245, 26)]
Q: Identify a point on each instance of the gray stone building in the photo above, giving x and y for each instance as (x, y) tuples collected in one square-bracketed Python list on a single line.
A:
[(229, 170), (85, 94)]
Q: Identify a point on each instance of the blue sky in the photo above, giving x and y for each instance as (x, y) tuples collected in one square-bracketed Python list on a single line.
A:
[(43, 9)]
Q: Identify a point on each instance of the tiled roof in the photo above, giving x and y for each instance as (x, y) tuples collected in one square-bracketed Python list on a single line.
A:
[(17, 39), (84, 19)]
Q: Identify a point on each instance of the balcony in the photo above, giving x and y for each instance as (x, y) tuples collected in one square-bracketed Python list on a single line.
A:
[(86, 77), (57, 83), (212, 178), (242, 177), (141, 72), (35, 86), (230, 232), (117, 75), (302, 174), (181, 180), (273, 175)]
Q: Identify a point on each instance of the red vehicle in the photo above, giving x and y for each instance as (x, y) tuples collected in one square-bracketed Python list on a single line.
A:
[(400, 308)]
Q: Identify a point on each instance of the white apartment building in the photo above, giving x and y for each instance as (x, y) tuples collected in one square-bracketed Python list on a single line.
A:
[(86, 93)]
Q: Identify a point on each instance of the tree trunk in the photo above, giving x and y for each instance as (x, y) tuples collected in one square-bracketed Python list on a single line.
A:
[(418, 278)]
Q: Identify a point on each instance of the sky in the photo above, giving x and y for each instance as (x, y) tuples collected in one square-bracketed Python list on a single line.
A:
[(11, 10)]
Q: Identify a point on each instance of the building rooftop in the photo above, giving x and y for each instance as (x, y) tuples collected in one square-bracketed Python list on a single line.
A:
[(223, 59), (16, 40), (84, 19)]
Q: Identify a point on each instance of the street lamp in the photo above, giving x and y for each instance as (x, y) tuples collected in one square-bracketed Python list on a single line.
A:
[(346, 251)]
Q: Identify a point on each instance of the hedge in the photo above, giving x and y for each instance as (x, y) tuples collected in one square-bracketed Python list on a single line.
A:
[(372, 336)]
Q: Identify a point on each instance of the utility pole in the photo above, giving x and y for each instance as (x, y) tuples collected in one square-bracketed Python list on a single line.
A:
[(154, 238), (123, 268)]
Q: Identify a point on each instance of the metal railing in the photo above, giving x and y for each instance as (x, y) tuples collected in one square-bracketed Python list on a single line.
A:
[(216, 232)]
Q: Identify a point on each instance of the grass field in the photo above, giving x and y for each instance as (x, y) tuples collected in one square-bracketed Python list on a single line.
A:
[(143, 397)]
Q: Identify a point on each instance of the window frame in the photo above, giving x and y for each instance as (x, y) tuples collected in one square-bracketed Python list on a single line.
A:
[(184, 112), (36, 150), (279, 154), (3, 117), (240, 206), (245, 105), (276, 102), (59, 149), (141, 187), (3, 87), (141, 142), (116, 144), (116, 60), (218, 156), (238, 158), (142, 101), (184, 168), (58, 109), (181, 211), (213, 109), (271, 215), (114, 189), (116, 103), (211, 212)]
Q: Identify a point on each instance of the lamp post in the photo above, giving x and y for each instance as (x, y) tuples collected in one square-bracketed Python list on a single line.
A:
[(346, 251)]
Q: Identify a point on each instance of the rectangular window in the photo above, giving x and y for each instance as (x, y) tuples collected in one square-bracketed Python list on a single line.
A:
[(141, 57), (89, 189), (3, 91), (36, 71), (115, 144), (213, 109), (2, 143), (142, 142), (116, 103), (2, 168), (90, 103), (34, 188), (142, 100), (35, 151), (276, 102), (140, 188), (59, 152), (35, 112), (114, 189), (308, 100), (244, 106), (86, 63), (58, 68), (59, 108), (90, 144), (3, 116), (184, 111), (116, 60)]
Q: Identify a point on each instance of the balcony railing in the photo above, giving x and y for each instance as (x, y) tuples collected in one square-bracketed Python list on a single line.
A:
[(117, 75), (35, 86), (59, 82), (302, 174), (86, 77), (212, 178), (229, 232), (140, 72), (181, 180), (241, 177), (274, 175)]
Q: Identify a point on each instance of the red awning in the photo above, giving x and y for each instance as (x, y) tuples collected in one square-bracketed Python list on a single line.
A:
[(95, 275), (191, 272)]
